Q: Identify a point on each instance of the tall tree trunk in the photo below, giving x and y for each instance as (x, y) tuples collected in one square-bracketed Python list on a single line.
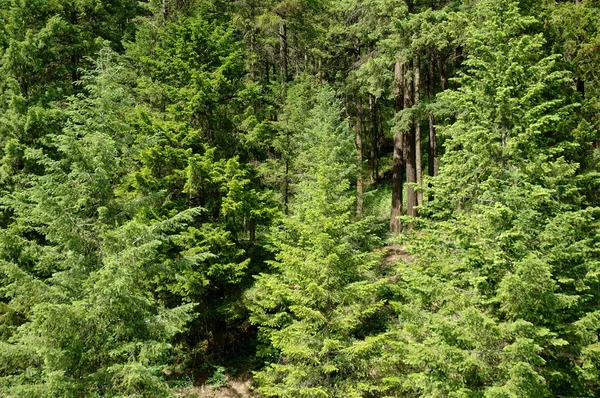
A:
[(252, 67), (433, 151), (442, 69), (409, 147), (320, 72), (418, 160), (395, 224), (283, 51), (267, 67), (374, 139), (286, 187), (251, 231), (359, 157), (580, 85)]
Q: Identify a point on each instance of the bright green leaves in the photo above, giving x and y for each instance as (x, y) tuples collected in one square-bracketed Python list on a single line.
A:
[(513, 108), (191, 70), (508, 192), (135, 209), (108, 337), (48, 42), (79, 316), (312, 308)]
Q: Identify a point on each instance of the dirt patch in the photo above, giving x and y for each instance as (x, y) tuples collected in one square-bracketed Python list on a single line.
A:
[(395, 254), (237, 388)]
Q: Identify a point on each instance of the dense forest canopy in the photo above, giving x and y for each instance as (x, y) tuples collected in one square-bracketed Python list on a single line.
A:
[(336, 198)]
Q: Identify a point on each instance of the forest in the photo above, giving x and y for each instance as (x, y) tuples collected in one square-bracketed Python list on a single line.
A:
[(316, 198)]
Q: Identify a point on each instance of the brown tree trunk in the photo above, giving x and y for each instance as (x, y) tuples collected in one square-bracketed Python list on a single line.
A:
[(410, 158), (580, 85), (418, 160), (395, 224), (374, 139), (443, 78), (267, 67), (320, 74), (433, 151), (251, 231), (286, 187), (359, 157), (164, 10)]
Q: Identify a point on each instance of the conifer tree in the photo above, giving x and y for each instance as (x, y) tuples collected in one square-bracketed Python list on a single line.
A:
[(493, 312), (192, 151), (75, 318), (312, 309)]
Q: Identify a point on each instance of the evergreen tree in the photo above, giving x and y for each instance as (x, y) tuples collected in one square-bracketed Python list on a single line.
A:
[(191, 151), (487, 308), (312, 310), (186, 187), (75, 319)]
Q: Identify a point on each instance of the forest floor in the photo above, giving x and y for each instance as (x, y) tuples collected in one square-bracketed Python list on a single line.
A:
[(235, 388), (395, 253)]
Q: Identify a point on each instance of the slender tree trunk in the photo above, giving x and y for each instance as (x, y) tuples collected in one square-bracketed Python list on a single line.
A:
[(252, 230), (374, 139), (580, 85), (286, 187), (443, 78), (398, 156), (267, 67), (253, 65), (418, 160), (410, 155), (283, 51), (433, 151), (504, 142), (359, 157), (320, 73)]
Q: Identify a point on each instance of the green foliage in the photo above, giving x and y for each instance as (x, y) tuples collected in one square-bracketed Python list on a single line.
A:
[(186, 76), (313, 308), (90, 327), (178, 184), (486, 292), (219, 378)]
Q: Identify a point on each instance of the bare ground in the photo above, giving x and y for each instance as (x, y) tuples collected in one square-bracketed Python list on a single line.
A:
[(236, 388), (395, 253)]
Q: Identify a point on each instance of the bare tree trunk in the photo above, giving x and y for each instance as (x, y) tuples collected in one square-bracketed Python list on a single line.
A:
[(374, 139), (320, 73), (252, 230), (443, 78), (409, 147), (286, 187), (418, 160), (252, 67), (395, 224), (580, 85), (433, 151), (359, 157), (267, 67)]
